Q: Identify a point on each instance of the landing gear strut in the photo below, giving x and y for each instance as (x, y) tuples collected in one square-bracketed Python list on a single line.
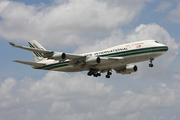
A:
[(151, 65), (108, 74)]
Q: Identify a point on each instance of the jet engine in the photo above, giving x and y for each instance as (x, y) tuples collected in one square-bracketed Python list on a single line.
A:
[(128, 70), (93, 60), (58, 56)]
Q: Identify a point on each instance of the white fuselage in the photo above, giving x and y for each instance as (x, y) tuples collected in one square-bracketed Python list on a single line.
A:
[(122, 55)]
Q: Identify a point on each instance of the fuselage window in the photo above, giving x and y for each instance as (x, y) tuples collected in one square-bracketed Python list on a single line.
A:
[(156, 41)]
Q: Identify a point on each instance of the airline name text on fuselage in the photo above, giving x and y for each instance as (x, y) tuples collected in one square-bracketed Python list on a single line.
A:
[(106, 52)]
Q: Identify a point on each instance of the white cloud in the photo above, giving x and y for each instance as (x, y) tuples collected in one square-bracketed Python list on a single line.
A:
[(163, 5), (174, 14), (49, 88), (76, 96), (145, 104), (5, 89), (69, 95), (176, 75), (116, 37), (65, 23)]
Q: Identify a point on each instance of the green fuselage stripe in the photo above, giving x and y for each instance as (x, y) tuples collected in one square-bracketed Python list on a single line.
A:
[(118, 54), (136, 51), (56, 65)]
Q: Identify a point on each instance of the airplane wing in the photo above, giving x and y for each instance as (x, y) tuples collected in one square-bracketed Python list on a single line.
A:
[(50, 54), (31, 49), (76, 60), (30, 63)]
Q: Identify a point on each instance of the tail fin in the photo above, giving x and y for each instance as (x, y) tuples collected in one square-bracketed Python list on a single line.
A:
[(37, 56)]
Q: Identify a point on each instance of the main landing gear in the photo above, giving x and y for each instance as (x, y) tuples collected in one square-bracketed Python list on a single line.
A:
[(93, 72), (151, 65), (108, 74)]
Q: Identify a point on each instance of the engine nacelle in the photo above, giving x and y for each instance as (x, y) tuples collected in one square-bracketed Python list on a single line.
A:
[(128, 70), (59, 56), (93, 60)]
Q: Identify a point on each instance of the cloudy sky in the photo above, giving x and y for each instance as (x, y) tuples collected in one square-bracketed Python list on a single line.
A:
[(78, 26)]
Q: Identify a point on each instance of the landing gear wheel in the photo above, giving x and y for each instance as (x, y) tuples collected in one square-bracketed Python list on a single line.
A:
[(151, 65), (107, 76), (99, 74), (89, 73), (95, 75)]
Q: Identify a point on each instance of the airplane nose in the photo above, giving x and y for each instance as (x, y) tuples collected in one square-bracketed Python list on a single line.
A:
[(166, 48)]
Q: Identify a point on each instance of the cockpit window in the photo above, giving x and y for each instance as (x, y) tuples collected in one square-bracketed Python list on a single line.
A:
[(156, 41)]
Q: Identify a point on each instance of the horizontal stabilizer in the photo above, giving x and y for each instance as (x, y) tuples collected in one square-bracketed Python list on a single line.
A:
[(33, 64)]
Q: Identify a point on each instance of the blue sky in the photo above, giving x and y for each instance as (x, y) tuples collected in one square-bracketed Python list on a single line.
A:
[(77, 26)]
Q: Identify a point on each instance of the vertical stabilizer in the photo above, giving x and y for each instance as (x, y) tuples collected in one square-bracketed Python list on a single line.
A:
[(37, 56)]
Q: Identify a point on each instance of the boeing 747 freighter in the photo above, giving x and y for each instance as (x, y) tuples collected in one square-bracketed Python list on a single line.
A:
[(118, 58)]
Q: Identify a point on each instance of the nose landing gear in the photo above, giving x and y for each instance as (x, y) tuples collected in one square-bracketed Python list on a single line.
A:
[(151, 65)]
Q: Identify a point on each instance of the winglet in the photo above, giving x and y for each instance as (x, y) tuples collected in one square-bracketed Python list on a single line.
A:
[(12, 44)]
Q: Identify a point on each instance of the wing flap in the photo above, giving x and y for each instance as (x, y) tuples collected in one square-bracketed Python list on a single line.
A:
[(30, 63)]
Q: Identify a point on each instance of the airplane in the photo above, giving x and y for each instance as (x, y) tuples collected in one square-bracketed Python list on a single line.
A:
[(117, 58)]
